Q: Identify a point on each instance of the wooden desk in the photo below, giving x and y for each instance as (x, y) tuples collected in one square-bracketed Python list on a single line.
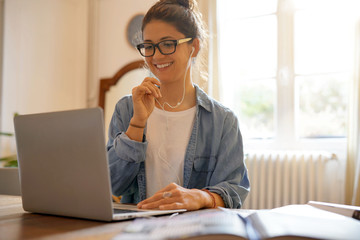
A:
[(15, 223)]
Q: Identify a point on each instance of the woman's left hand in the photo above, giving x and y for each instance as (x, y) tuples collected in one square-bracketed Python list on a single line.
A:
[(174, 196)]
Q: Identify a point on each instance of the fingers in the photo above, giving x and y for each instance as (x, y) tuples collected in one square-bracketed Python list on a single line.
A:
[(149, 87), (165, 204), (143, 97), (172, 206), (152, 80), (180, 198), (172, 196), (148, 203), (159, 204), (164, 196), (160, 194)]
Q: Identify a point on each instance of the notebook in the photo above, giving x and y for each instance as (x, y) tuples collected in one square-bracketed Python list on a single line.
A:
[(64, 169)]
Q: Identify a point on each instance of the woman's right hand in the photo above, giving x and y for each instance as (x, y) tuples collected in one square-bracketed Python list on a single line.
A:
[(144, 100)]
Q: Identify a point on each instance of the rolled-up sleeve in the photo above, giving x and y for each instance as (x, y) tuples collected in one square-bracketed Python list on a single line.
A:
[(229, 178), (124, 154)]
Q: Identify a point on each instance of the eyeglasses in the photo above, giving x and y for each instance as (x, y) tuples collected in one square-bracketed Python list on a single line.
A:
[(166, 47)]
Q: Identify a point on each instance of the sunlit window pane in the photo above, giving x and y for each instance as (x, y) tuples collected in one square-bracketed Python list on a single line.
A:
[(351, 7), (248, 63), (250, 49), (254, 103), (323, 41), (322, 105), (315, 39), (246, 8)]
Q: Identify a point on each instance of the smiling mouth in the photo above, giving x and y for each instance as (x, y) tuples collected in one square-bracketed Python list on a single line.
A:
[(162, 66)]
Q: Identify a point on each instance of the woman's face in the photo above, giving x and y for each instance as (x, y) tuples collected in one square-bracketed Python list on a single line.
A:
[(167, 68)]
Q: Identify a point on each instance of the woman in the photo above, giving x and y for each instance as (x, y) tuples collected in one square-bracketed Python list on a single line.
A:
[(170, 145)]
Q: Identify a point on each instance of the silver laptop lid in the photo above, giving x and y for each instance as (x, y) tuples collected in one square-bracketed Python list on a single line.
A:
[(63, 164)]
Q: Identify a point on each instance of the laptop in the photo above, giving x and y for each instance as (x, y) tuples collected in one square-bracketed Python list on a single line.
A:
[(63, 166)]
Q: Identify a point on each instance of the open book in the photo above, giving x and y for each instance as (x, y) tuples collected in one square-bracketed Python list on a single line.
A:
[(293, 221)]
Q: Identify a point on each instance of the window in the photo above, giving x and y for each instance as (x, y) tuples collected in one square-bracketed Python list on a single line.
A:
[(285, 67)]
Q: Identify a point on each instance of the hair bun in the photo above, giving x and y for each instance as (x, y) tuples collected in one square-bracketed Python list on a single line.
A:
[(188, 4), (184, 3)]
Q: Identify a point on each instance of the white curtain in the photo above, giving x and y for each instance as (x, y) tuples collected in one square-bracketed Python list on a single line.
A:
[(206, 68), (353, 161)]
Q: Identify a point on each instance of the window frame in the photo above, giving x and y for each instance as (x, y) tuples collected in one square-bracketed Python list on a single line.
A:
[(285, 124)]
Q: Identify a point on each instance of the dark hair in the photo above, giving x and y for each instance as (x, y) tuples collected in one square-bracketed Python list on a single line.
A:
[(182, 14)]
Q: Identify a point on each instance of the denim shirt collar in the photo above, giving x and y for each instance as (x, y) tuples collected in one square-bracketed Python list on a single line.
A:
[(202, 99)]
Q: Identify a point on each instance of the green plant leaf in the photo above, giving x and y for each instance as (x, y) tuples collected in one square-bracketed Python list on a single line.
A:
[(10, 161), (6, 134), (13, 163), (8, 158)]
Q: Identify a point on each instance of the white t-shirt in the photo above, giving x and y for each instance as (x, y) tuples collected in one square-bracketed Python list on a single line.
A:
[(168, 135)]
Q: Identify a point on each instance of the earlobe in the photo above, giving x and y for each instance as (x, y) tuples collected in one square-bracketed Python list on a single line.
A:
[(196, 47)]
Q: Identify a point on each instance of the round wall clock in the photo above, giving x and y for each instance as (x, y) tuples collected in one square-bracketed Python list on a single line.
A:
[(134, 30)]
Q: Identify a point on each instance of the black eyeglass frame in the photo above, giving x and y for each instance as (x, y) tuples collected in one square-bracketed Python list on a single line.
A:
[(176, 42)]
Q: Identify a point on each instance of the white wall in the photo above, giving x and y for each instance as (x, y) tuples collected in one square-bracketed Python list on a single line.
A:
[(110, 49), (114, 50), (44, 57), (56, 51)]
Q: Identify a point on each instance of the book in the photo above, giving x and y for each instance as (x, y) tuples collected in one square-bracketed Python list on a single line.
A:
[(346, 210), (292, 221)]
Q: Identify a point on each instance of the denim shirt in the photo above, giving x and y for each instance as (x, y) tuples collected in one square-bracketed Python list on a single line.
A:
[(213, 159)]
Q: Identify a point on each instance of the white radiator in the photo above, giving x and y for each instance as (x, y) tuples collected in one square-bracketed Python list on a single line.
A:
[(279, 178)]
